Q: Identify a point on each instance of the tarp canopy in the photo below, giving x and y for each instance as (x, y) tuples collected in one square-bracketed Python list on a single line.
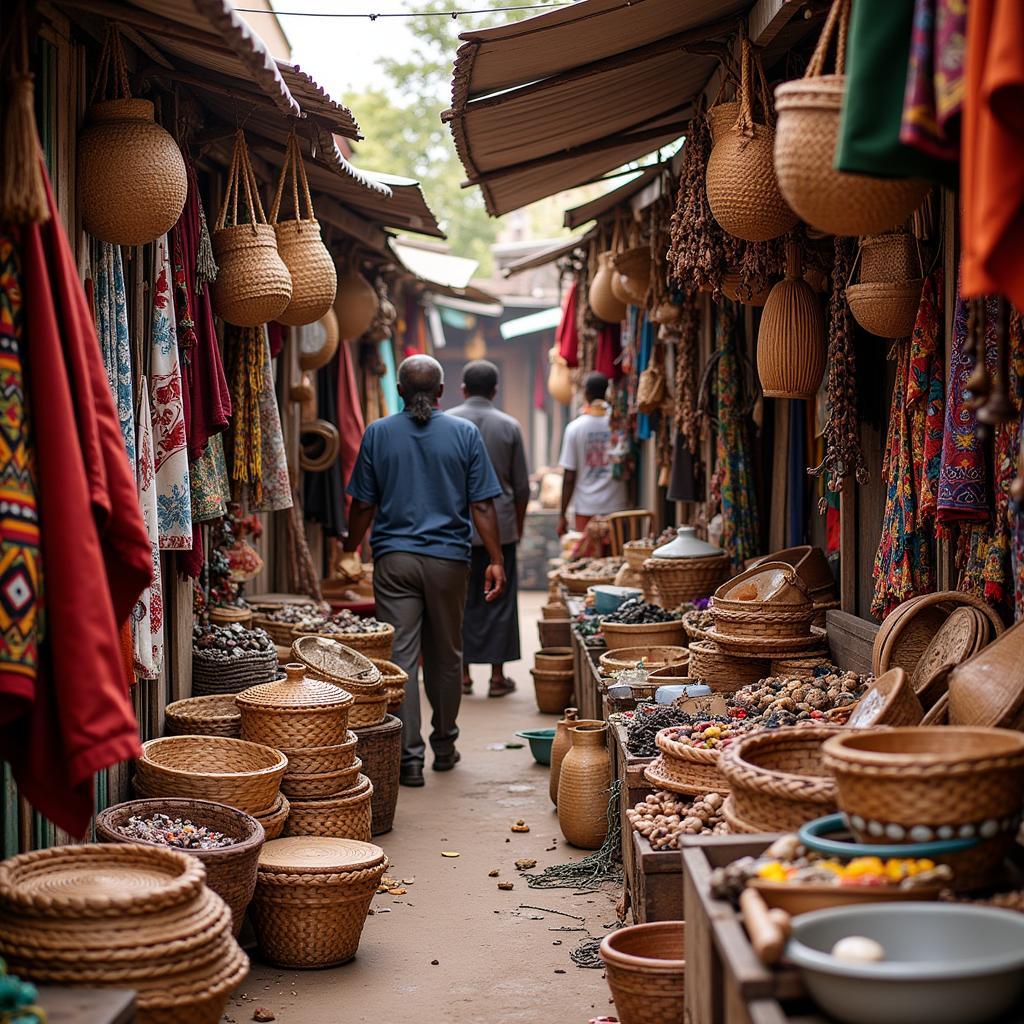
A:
[(595, 208), (532, 323), (546, 255)]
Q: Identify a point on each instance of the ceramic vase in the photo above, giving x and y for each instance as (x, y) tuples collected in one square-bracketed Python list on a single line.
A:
[(584, 780)]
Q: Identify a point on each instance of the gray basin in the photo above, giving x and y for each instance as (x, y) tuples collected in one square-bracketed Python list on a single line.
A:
[(945, 963)]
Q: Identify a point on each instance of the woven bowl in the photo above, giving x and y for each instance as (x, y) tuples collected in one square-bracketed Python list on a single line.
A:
[(217, 715), (636, 552), (645, 965), (890, 700), (234, 772), (274, 819), (328, 658), (374, 646), (394, 679), (312, 760), (622, 635), (680, 768), (886, 310), (653, 656), (347, 815), (313, 785)]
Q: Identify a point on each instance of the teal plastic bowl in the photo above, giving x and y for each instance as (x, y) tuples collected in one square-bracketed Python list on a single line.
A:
[(829, 836), (540, 741)]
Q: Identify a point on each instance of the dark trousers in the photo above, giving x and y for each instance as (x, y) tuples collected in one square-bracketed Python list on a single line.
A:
[(423, 598), (490, 630)]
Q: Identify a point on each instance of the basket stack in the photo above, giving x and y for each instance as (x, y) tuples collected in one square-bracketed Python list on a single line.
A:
[(681, 768), (813, 568), (312, 898), (230, 870), (236, 658), (375, 644), (553, 679), (243, 775), (216, 715), (326, 658), (685, 568), (379, 747), (723, 671), (393, 678), (122, 916)]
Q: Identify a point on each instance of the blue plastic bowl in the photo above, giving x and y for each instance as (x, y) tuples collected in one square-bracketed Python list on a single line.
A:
[(607, 598), (815, 835), (540, 743)]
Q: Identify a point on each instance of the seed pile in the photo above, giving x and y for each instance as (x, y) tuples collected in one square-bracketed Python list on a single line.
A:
[(648, 720), (636, 612), (348, 622), (181, 833), (592, 568), (793, 700), (664, 817), (226, 643), (294, 614)]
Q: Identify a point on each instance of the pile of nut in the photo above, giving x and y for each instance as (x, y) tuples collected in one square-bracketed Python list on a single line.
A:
[(299, 614), (228, 643), (344, 622), (792, 700), (636, 612), (663, 817)]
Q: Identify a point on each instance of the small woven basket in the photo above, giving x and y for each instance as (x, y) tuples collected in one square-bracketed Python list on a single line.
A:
[(217, 715), (553, 690), (553, 659), (691, 626), (890, 256), (211, 675), (678, 580), (636, 552), (887, 310), (230, 871), (777, 778), (380, 747), (273, 820), (724, 673), (619, 635), (653, 656), (634, 267), (393, 679), (890, 700), (226, 615), (346, 816), (311, 760), (369, 709), (645, 965), (681, 768), (314, 785), (555, 632)]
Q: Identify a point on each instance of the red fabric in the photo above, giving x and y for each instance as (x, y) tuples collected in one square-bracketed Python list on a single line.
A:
[(992, 173), (350, 415), (96, 553), (609, 348), (275, 335), (567, 338)]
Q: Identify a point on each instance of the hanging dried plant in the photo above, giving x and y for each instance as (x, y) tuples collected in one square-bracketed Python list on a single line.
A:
[(843, 454), (687, 341)]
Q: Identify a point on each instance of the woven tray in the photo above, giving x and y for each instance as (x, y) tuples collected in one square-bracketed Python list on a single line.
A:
[(327, 658), (380, 747), (375, 646), (217, 715)]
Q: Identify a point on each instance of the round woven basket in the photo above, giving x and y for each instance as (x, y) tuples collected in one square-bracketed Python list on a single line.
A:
[(636, 552), (211, 675), (313, 785), (736, 824), (234, 772), (131, 176), (805, 144), (723, 672), (887, 310), (777, 778), (554, 610), (653, 656), (393, 678), (273, 820), (645, 965), (619, 635), (296, 711), (328, 658), (345, 816), (890, 256), (553, 690), (312, 898), (368, 709), (890, 700), (684, 769), (217, 715), (690, 622), (312, 760), (678, 580), (581, 584), (553, 659), (230, 871), (374, 646), (380, 747), (357, 303), (226, 615)]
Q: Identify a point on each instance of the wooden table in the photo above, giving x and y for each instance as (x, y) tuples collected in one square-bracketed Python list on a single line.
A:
[(88, 1005), (586, 679)]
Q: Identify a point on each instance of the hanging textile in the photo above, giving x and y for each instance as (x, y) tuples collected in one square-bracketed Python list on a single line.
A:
[(170, 454), (244, 347), (609, 348), (389, 379), (322, 499), (934, 96), (21, 612), (992, 175), (645, 350), (740, 530), (567, 337), (350, 414), (112, 328), (148, 616), (211, 488), (80, 719), (796, 474), (275, 484)]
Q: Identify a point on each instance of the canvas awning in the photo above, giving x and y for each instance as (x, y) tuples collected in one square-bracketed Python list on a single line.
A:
[(532, 323), (551, 102), (545, 256), (598, 207)]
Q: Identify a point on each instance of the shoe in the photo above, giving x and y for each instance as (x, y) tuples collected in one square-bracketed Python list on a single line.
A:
[(411, 775), (501, 687), (446, 762), (467, 687)]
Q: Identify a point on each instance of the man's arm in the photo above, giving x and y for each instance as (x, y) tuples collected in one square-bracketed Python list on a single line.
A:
[(520, 480), (485, 519), (568, 486), (359, 519)]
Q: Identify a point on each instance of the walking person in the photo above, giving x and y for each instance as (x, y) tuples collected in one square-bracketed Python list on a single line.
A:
[(589, 482), (424, 479), (490, 629)]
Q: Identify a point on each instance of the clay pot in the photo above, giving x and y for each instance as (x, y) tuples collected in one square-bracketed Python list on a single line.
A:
[(603, 300), (559, 748), (583, 784)]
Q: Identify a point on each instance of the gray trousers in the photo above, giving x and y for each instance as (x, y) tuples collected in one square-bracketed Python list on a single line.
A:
[(424, 599)]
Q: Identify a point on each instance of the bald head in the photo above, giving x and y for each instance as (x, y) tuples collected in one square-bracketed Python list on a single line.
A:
[(420, 383)]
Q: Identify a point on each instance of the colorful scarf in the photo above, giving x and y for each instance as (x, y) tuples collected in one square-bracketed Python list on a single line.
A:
[(170, 445), (275, 483), (148, 617), (21, 585), (211, 489), (740, 530), (112, 328), (245, 371)]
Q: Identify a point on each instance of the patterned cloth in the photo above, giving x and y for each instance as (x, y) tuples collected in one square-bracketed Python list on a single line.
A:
[(740, 530), (112, 328), (276, 484), (21, 606), (170, 447), (211, 488), (148, 616)]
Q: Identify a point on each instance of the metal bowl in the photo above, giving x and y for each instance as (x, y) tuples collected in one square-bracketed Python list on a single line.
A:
[(945, 963)]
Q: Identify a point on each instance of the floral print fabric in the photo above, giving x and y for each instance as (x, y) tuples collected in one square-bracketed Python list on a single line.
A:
[(112, 328), (148, 616)]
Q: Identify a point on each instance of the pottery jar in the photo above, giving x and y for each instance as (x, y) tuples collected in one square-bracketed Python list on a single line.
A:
[(583, 784)]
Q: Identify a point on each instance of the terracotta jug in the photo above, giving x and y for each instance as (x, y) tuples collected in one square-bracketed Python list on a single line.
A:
[(559, 748), (583, 784)]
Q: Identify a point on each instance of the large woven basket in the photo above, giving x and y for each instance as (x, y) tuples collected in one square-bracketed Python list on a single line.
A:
[(618, 635), (234, 772), (987, 689), (723, 672), (328, 658), (312, 897), (777, 778), (684, 769), (553, 659), (652, 656), (394, 679), (375, 646), (346, 816), (217, 715), (927, 783), (553, 690), (678, 580), (212, 676), (380, 747), (805, 144), (645, 965), (310, 760), (634, 267), (230, 871)]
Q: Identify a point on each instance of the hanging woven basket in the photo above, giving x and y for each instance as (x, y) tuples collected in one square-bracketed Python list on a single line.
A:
[(886, 300), (892, 256), (634, 273), (131, 175), (314, 279), (357, 303), (253, 284), (721, 117), (743, 192), (603, 301), (805, 146), (791, 338)]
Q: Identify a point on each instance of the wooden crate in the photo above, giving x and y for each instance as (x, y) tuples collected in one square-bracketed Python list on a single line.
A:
[(586, 679), (658, 883), (634, 788)]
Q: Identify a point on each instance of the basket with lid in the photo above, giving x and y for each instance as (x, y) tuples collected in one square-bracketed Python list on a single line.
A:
[(295, 712), (686, 568), (312, 897)]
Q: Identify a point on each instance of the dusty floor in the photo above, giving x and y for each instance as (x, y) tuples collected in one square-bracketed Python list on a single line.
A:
[(455, 948)]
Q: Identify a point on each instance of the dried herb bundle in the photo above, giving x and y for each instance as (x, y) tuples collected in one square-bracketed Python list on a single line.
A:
[(687, 341)]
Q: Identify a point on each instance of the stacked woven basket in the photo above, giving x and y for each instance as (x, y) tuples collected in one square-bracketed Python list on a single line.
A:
[(327, 658), (553, 679), (214, 672), (122, 916)]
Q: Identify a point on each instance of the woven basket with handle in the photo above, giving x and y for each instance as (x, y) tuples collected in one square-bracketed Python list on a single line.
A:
[(805, 145)]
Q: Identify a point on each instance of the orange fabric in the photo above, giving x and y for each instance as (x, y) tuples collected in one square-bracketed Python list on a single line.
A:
[(992, 175)]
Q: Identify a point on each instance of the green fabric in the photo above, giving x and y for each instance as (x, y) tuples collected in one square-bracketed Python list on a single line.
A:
[(877, 54)]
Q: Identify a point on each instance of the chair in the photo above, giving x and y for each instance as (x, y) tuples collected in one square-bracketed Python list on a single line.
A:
[(634, 524)]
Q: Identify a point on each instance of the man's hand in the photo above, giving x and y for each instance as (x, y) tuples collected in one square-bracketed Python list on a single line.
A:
[(494, 581), (563, 526)]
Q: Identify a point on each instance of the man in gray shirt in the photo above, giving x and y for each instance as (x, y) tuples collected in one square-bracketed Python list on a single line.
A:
[(490, 630)]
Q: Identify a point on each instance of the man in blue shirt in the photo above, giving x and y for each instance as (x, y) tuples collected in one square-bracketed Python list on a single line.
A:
[(424, 480)]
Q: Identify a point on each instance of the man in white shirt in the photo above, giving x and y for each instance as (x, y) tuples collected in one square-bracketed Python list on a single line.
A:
[(589, 482)]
